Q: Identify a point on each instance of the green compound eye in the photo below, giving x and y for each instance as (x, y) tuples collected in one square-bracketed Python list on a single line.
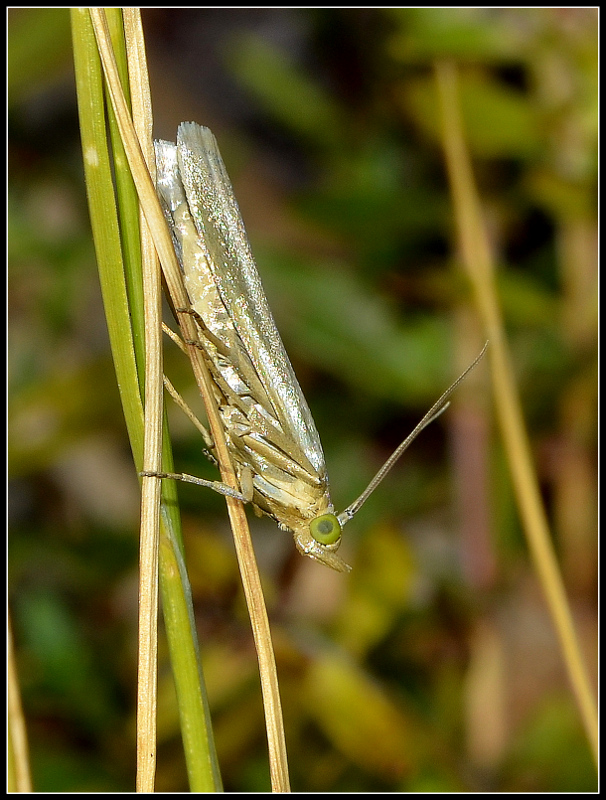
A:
[(325, 529)]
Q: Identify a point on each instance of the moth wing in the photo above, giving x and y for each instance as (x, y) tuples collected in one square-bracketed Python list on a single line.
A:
[(219, 223), (198, 275)]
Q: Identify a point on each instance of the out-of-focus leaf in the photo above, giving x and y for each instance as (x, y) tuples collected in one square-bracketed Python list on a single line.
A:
[(379, 591), (51, 414), (58, 769), (374, 196), (357, 717), (38, 49), (469, 33), (566, 200), (61, 659), (328, 314), (525, 301), (499, 122), (552, 739), (295, 100)]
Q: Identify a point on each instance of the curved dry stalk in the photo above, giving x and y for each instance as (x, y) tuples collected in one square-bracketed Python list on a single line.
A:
[(477, 259)]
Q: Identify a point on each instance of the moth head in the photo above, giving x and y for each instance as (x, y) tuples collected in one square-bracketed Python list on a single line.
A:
[(320, 539)]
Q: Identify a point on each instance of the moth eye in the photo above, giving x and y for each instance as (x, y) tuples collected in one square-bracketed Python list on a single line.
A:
[(325, 529)]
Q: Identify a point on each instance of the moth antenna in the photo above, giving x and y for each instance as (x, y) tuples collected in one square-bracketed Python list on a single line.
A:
[(434, 412)]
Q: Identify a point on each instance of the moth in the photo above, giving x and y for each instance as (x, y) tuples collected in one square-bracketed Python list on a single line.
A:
[(269, 429)]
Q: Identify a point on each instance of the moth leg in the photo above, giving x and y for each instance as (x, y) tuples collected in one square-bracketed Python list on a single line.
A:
[(182, 344), (175, 337), (208, 439), (216, 486), (206, 332), (246, 483), (194, 314)]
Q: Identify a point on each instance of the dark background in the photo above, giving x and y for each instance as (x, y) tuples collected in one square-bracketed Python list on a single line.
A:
[(434, 665)]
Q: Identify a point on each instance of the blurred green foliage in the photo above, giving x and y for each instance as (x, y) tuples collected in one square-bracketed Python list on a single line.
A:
[(328, 123)]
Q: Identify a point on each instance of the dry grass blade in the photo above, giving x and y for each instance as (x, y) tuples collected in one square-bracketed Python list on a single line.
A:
[(19, 778), (152, 445), (477, 258)]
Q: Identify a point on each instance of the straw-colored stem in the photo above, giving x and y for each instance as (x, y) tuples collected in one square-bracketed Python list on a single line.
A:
[(147, 677), (477, 260), (19, 778)]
